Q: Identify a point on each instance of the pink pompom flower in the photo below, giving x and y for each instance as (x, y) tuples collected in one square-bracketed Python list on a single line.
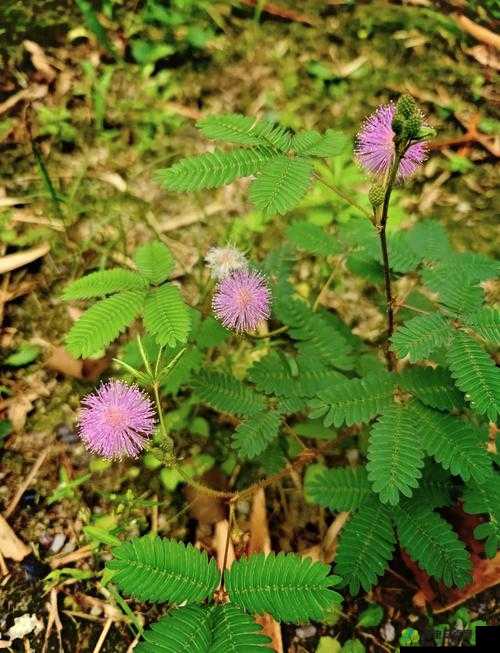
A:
[(242, 300), (375, 146), (116, 420)]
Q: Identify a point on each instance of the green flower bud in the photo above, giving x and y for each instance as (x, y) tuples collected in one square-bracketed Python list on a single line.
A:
[(376, 195), (413, 125), (406, 106)]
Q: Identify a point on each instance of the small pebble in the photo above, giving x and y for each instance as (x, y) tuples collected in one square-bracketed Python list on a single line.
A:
[(305, 632), (388, 632), (58, 542)]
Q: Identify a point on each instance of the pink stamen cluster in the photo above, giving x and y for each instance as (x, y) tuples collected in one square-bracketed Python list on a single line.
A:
[(242, 300), (116, 420), (375, 146)]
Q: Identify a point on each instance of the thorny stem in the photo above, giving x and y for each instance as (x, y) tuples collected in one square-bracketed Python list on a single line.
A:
[(381, 227), (344, 196)]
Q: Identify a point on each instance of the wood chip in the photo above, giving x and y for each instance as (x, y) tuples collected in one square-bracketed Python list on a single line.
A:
[(10, 545)]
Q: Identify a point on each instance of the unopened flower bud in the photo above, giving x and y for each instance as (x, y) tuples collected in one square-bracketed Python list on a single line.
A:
[(406, 106), (413, 125), (376, 195)]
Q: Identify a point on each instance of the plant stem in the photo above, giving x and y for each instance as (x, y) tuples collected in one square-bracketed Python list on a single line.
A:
[(269, 334), (391, 178)]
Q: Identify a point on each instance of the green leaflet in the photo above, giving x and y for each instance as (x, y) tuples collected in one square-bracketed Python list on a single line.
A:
[(245, 130), (484, 498), (355, 400), (453, 443), (395, 455), (103, 322), (366, 545), (161, 570), (154, 261), (236, 632), (343, 488), (254, 434), (434, 387), (420, 336), (214, 169), (312, 238), (475, 374), (183, 629), (227, 394), (485, 322), (431, 542), (288, 587), (104, 282), (166, 316), (281, 185)]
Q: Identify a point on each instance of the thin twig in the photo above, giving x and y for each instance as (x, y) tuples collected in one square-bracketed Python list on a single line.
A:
[(104, 634), (344, 196), (27, 481)]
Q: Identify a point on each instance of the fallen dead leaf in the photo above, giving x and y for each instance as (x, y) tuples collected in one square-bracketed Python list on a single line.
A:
[(260, 542), (17, 260), (39, 60), (33, 92), (10, 545)]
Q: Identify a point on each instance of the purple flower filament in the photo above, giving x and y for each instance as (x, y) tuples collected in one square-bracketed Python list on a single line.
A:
[(375, 146), (116, 420), (242, 301)]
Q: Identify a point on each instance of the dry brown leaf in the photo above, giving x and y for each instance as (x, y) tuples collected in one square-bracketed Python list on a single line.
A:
[(260, 542), (220, 541), (17, 260), (39, 60), (10, 545), (33, 92)]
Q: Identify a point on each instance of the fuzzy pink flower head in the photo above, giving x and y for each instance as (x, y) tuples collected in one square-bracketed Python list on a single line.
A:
[(375, 146), (116, 420), (242, 300)]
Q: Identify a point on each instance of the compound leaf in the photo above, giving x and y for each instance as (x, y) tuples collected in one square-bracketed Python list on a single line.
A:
[(166, 315), (160, 570)]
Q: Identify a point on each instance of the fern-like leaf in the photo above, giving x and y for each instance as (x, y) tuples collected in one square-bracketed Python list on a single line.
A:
[(154, 261), (104, 282), (342, 488), (227, 394), (166, 316), (395, 455), (186, 629), (420, 336), (245, 130), (401, 256), (484, 498), (431, 542), (355, 400), (434, 387), (429, 240), (254, 434), (288, 587), (312, 143), (214, 169), (103, 322), (458, 295), (322, 340), (272, 375), (161, 570), (475, 374), (312, 238), (366, 546), (236, 632), (453, 443), (486, 322), (281, 185)]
